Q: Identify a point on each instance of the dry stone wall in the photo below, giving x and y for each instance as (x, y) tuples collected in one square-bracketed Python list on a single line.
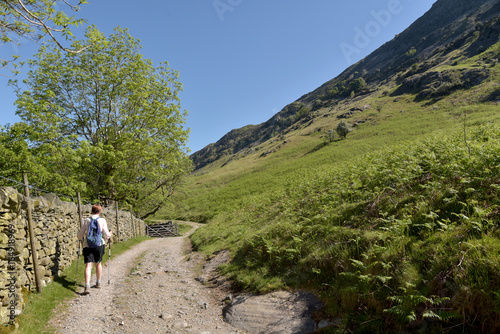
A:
[(55, 224)]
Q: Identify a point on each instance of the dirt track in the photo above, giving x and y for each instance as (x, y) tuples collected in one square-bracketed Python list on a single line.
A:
[(152, 290)]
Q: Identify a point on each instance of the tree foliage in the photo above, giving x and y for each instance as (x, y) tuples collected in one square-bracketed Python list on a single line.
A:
[(346, 88), (330, 135), (15, 155), (303, 112), (343, 129), (32, 20), (109, 115)]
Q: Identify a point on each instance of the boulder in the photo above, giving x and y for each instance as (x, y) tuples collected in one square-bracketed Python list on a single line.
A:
[(275, 313), (9, 200)]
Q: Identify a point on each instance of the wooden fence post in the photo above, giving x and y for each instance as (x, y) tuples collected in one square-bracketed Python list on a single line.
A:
[(117, 224), (138, 226), (32, 235), (132, 225), (80, 215)]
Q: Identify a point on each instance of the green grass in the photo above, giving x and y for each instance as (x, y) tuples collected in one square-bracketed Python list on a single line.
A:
[(40, 308), (184, 228)]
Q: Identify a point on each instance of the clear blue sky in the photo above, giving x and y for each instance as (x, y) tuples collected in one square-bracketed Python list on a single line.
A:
[(242, 61)]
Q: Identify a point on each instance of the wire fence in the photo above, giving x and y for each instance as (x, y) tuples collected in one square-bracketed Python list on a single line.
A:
[(10, 182), (17, 184)]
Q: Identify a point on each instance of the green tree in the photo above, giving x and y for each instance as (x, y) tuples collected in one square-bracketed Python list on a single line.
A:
[(411, 52), (343, 129), (329, 136), (111, 113), (357, 85), (32, 20), (15, 154), (303, 112)]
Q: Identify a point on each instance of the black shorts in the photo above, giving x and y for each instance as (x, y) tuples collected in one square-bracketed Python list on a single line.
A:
[(93, 254)]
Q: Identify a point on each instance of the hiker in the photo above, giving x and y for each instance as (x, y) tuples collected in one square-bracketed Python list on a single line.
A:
[(93, 255)]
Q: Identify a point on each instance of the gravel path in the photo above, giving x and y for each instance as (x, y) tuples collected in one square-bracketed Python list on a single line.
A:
[(152, 290)]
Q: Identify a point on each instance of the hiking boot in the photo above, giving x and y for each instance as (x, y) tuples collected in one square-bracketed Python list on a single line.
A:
[(86, 291), (98, 285)]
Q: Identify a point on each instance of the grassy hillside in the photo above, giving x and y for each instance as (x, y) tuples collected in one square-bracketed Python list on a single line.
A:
[(397, 224), (394, 227)]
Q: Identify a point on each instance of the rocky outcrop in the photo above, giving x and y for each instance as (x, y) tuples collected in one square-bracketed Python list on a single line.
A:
[(434, 84), (279, 312)]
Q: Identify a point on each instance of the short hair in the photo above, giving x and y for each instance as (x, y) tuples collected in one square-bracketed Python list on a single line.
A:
[(96, 209)]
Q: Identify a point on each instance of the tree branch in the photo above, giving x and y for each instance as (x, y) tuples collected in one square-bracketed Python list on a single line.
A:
[(36, 21)]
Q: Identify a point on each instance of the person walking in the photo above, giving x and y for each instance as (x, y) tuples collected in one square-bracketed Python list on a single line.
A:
[(93, 256)]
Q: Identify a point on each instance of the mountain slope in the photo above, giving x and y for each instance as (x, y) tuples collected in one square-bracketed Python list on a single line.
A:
[(438, 32), (449, 32)]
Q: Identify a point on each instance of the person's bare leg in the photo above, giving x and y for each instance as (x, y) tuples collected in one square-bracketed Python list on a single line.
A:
[(98, 271), (98, 274), (88, 272)]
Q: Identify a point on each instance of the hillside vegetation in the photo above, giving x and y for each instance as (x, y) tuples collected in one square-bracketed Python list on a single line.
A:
[(388, 234), (395, 227), (396, 224)]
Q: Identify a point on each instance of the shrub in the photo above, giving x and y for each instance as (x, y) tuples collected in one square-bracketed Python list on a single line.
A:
[(330, 135), (343, 129)]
